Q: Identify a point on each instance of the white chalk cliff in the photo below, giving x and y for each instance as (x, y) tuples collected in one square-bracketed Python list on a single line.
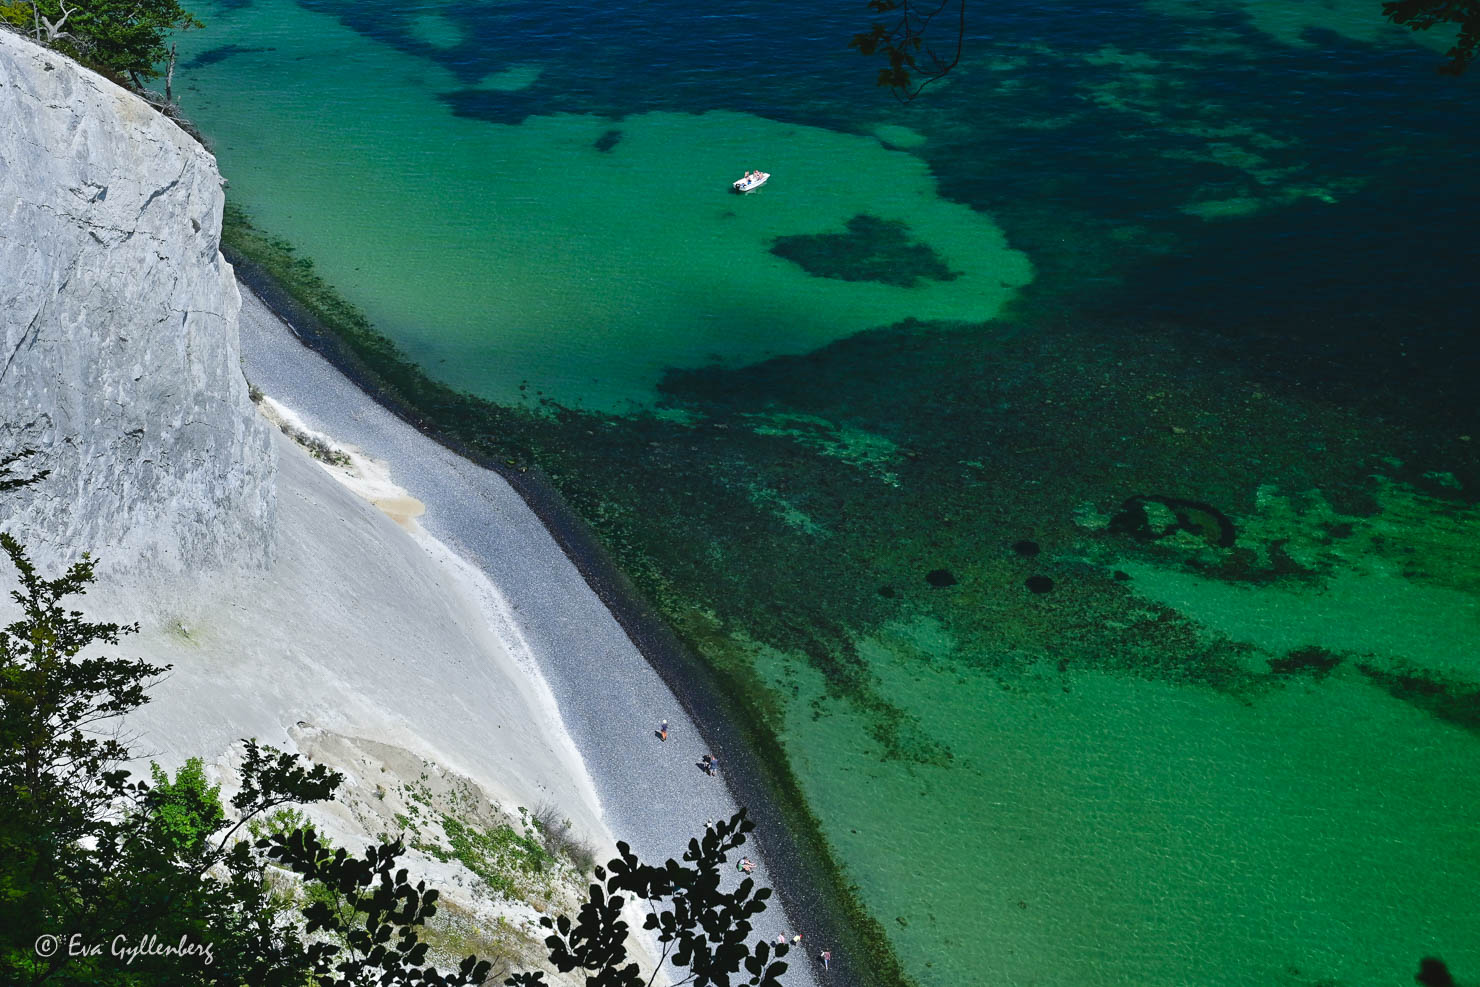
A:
[(118, 348), (292, 609)]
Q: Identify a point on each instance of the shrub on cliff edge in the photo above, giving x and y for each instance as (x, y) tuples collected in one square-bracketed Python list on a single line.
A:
[(122, 39)]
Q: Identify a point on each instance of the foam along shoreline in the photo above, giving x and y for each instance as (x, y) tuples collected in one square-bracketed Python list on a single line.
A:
[(605, 697)]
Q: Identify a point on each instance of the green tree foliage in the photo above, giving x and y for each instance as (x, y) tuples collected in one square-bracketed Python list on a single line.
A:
[(123, 39), (700, 927), (110, 863), (370, 916), (102, 861), (916, 54), (184, 813), (10, 478), (1420, 15)]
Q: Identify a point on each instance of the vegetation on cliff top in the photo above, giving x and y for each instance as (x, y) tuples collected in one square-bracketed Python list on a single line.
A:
[(125, 40)]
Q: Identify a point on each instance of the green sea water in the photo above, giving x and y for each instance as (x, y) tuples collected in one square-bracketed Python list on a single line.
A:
[(1122, 305), (508, 255)]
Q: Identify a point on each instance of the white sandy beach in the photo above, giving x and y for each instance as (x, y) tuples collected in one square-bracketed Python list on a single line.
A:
[(541, 624)]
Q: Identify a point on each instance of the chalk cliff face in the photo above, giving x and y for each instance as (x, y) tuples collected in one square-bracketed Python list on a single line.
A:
[(118, 332)]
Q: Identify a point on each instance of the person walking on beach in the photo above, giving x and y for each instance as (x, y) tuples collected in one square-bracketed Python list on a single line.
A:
[(713, 765), (826, 957), (781, 939), (796, 940), (663, 730)]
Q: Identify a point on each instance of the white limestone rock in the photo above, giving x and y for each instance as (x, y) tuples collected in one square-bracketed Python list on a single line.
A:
[(119, 353)]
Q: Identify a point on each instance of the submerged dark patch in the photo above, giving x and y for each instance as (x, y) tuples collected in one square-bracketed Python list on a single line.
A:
[(940, 578), (1038, 584), (220, 54), (1309, 660), (1027, 549), (1449, 700), (509, 108), (873, 249), (1433, 973), (608, 140), (1203, 520)]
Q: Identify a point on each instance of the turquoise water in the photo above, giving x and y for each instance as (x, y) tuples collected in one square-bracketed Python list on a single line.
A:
[(1078, 464)]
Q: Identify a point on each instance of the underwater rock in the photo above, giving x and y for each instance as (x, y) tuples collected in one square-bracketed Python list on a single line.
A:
[(1433, 973), (1151, 517), (873, 249), (1038, 584), (1026, 548), (940, 578), (1310, 659)]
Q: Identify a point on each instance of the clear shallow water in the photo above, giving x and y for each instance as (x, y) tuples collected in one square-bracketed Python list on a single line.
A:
[(1210, 253)]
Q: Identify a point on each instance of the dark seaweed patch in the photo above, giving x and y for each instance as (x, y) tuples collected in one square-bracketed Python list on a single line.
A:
[(1433, 973), (1038, 584), (608, 140), (1310, 660), (1445, 699), (509, 108), (940, 578), (1203, 520), (220, 54), (1027, 549), (873, 249)]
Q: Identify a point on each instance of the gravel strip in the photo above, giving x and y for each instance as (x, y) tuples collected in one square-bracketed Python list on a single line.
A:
[(654, 795)]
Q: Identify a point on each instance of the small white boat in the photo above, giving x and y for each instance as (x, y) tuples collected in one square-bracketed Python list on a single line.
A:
[(752, 181)]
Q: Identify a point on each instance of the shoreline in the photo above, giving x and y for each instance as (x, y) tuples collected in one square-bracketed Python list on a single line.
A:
[(755, 766), (801, 893)]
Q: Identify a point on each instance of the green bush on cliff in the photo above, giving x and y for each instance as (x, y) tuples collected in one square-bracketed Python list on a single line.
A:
[(123, 39)]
